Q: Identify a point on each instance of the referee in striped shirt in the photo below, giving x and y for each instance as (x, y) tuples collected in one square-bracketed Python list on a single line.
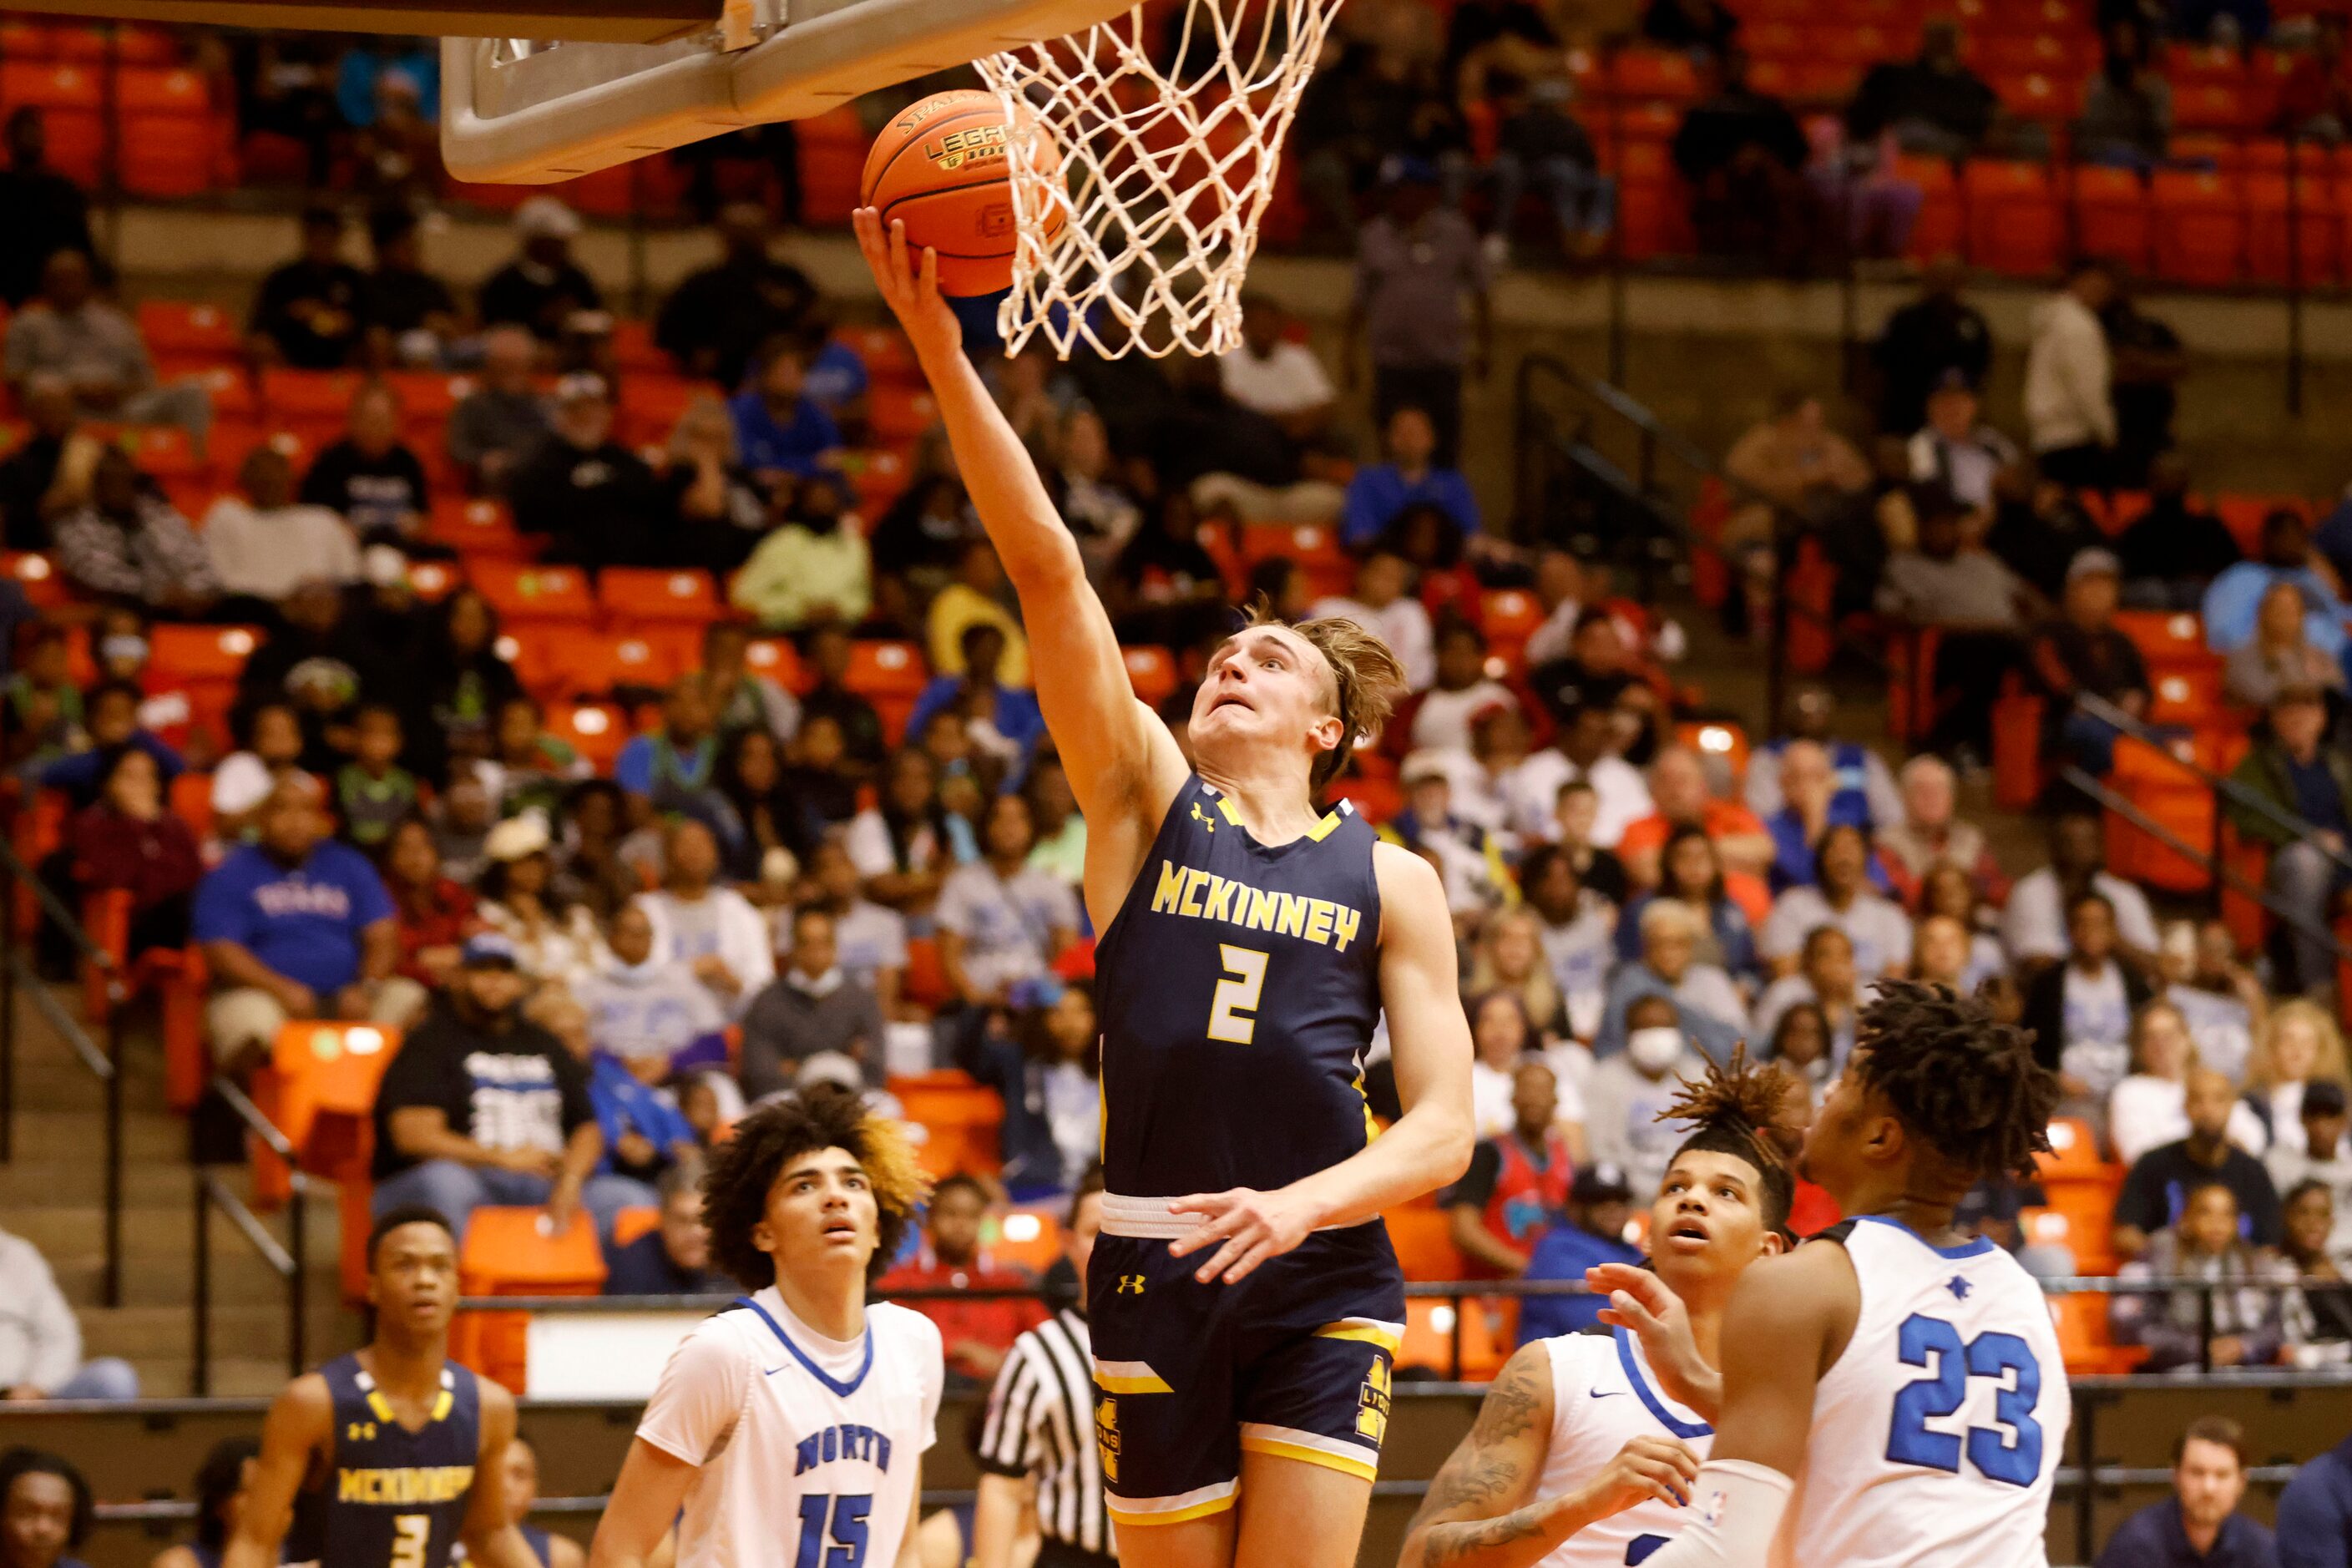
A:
[(1040, 1426)]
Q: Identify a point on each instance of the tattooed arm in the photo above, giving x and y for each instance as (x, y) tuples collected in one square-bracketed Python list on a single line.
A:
[(1482, 1512)]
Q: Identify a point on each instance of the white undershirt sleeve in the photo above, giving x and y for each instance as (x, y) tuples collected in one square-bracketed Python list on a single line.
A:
[(1736, 1510)]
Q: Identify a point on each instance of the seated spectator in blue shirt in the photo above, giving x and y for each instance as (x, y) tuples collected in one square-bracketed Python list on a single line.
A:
[(778, 427), (296, 925), (837, 379), (645, 1135), (2200, 1525), (1812, 804), (1013, 711), (2235, 599), (673, 1258), (110, 718), (2314, 1512), (1380, 491), (1598, 1203)]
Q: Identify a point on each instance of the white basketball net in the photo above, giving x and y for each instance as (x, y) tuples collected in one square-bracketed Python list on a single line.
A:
[(1160, 176)]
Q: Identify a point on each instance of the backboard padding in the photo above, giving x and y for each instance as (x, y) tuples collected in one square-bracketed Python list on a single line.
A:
[(606, 21), (568, 111)]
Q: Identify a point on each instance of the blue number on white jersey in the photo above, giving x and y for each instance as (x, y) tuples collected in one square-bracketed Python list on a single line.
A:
[(845, 1526), (2010, 1453)]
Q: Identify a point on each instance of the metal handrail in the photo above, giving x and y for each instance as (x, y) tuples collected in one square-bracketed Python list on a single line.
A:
[(290, 1262)]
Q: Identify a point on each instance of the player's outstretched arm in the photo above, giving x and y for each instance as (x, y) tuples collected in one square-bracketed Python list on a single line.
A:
[(1429, 1038), (1120, 756), (487, 1530), (1481, 1511), (1794, 1315), (648, 1496), (300, 1421), (1639, 1302)]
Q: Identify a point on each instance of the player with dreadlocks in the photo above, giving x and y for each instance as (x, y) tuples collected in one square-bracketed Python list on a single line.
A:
[(1893, 1394), (1578, 1459)]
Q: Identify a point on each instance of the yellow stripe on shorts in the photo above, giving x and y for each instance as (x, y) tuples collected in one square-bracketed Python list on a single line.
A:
[(1368, 1331), (1130, 1377)]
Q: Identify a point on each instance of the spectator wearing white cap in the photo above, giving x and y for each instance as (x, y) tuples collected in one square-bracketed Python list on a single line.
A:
[(543, 286), (593, 500)]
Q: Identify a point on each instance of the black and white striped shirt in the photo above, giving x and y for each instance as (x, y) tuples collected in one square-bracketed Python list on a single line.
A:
[(1040, 1421)]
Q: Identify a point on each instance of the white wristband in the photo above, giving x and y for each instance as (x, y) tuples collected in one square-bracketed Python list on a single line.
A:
[(1736, 1508)]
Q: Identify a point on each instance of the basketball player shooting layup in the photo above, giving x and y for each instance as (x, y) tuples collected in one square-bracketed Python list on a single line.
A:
[(1902, 1379), (390, 1455), (1243, 1299), (791, 1429), (1577, 1459)]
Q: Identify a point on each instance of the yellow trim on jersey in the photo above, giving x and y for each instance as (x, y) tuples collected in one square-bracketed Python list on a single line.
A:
[(1232, 816), (1225, 1500), (1324, 829), (380, 1405), (442, 1407), (1366, 1331), (1130, 1377), (1308, 1448)]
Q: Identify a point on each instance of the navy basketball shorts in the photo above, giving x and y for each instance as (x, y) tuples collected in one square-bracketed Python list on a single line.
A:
[(1293, 1361)]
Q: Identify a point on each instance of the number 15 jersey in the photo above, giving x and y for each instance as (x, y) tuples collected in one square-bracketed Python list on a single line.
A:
[(1936, 1435), (1238, 988)]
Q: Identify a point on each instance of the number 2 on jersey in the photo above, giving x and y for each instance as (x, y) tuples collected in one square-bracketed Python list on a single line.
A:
[(411, 1533), (2013, 1457), (846, 1527), (1232, 1011)]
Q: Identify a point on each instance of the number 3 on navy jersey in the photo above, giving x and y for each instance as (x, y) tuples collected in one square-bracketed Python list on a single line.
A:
[(2012, 1455), (1232, 1012), (846, 1527)]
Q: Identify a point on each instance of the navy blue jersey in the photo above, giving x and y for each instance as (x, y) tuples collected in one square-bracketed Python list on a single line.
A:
[(1238, 988), (392, 1498)]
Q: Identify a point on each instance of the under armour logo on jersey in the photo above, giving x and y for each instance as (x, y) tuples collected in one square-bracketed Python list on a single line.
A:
[(359, 1432), (1959, 1287), (1203, 817), (1130, 1285)]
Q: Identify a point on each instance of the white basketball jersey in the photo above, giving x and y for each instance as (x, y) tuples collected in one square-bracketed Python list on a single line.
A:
[(1604, 1395), (809, 1449), (1937, 1433)]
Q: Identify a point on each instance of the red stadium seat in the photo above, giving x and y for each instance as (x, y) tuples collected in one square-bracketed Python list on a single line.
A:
[(651, 657), (520, 592), (38, 575), (2293, 235), (1646, 73), (165, 141), (309, 396), (2215, 106), (1313, 546), (597, 730), (637, 593), (1508, 616), (780, 662), (72, 108), (171, 328), (898, 413), (1152, 672), (2200, 228), (2167, 639), (200, 653), (2050, 100), (2014, 224), (475, 528), (2110, 216)]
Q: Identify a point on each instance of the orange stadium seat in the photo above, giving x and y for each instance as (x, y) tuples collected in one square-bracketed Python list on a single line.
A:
[(165, 139), (171, 328), (2166, 638), (2073, 1152), (1313, 546), (2110, 216), (2014, 224), (73, 106), (38, 575), (2293, 235), (202, 653), (597, 730), (636, 595), (629, 1224), (507, 1252), (1424, 1242), (633, 349), (780, 662), (1029, 1238), (2085, 1339), (1152, 671), (1430, 1325), (2201, 227), (309, 396), (473, 527), (900, 413), (520, 592), (960, 1118), (1939, 229), (1651, 73)]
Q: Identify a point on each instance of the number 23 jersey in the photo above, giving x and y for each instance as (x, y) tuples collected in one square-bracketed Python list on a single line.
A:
[(1937, 1433), (1238, 988)]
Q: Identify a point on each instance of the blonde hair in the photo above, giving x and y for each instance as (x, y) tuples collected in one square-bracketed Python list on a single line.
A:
[(1367, 680), (1538, 992), (2330, 1062)]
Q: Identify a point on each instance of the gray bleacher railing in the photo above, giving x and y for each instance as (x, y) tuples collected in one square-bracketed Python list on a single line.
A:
[(105, 1065), (290, 1262)]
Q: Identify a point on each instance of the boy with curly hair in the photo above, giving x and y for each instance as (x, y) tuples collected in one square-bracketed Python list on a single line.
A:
[(792, 1426)]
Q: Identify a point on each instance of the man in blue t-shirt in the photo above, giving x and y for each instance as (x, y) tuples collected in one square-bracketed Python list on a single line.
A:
[(778, 428), (1380, 492), (1599, 1204), (296, 925)]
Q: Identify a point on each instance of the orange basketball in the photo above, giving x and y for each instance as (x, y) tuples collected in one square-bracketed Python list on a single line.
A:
[(939, 168)]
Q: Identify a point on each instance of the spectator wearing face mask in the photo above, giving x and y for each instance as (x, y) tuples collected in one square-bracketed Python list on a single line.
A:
[(1706, 1004), (1627, 1091)]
